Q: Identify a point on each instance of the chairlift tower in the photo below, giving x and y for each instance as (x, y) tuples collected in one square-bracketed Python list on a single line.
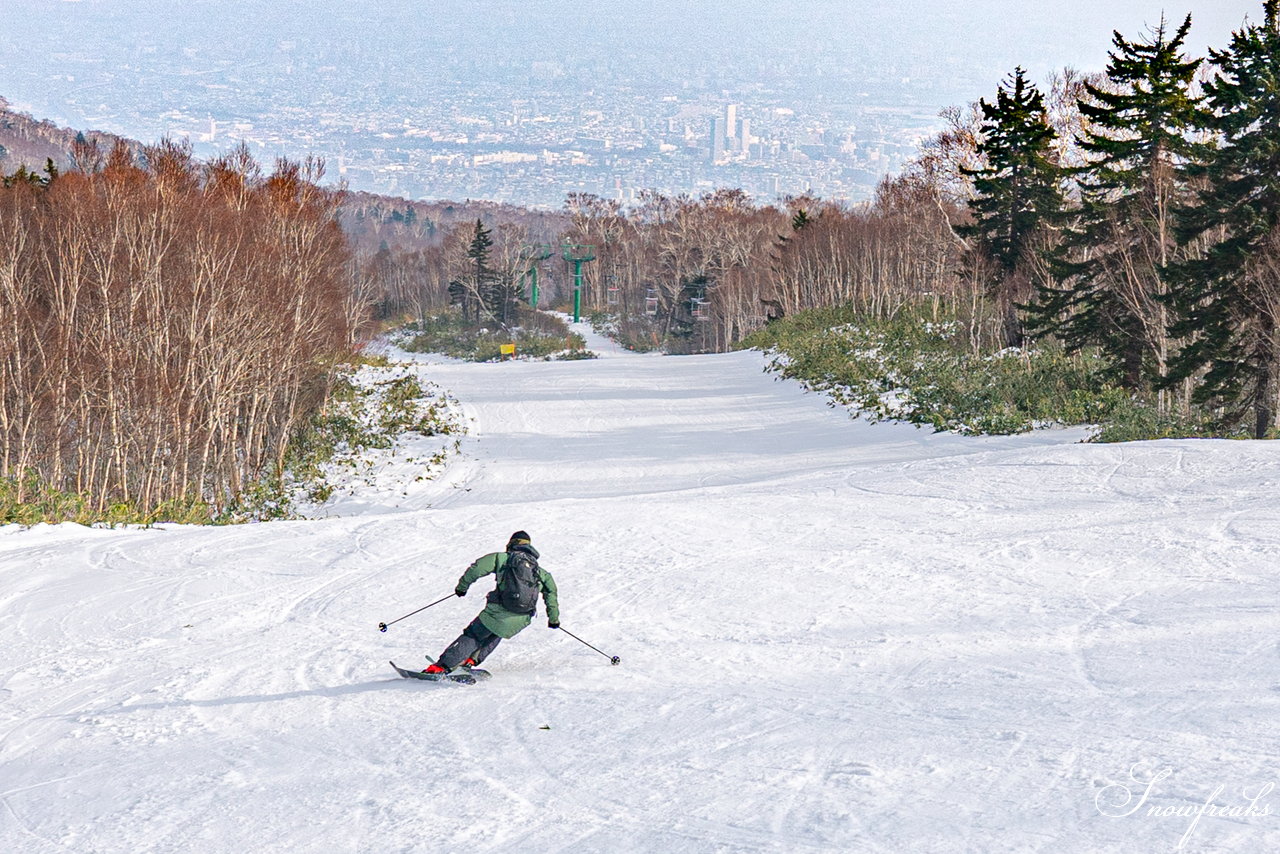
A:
[(533, 254), (578, 254)]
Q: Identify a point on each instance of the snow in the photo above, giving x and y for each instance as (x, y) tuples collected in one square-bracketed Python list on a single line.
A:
[(369, 480), (835, 636)]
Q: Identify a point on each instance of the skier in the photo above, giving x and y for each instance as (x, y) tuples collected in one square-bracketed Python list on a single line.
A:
[(511, 604)]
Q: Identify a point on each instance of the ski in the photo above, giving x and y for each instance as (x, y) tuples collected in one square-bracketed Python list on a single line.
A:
[(462, 677)]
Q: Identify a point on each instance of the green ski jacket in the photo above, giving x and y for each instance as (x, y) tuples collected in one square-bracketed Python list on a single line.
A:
[(498, 619)]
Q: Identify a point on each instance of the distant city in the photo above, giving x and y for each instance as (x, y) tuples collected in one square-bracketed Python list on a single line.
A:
[(525, 103)]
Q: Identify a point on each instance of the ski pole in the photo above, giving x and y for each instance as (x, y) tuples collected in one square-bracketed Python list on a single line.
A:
[(382, 627), (613, 659)]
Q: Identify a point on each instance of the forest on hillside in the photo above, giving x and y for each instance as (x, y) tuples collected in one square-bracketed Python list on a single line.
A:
[(170, 325), (1131, 214), (166, 325), (30, 144)]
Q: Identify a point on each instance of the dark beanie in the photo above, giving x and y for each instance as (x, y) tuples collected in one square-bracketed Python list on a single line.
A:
[(518, 537)]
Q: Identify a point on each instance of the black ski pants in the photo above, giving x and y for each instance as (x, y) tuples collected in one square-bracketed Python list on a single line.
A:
[(475, 642)]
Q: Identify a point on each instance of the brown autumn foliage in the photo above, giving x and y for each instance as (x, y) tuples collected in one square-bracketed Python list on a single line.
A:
[(165, 323), (373, 221), (414, 282), (26, 143), (701, 274), (409, 251)]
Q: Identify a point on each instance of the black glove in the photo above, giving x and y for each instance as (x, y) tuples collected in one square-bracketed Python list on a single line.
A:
[(459, 592), (552, 625)]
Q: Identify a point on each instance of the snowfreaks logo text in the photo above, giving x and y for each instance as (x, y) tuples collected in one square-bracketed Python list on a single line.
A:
[(1120, 801)]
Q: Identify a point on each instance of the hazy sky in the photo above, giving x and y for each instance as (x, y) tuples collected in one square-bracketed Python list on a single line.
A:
[(1030, 32), (293, 70), (990, 36)]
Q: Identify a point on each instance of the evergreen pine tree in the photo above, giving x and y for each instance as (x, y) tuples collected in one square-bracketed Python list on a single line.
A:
[(1113, 259), (1228, 300), (478, 251), (505, 292), (472, 292), (1017, 196)]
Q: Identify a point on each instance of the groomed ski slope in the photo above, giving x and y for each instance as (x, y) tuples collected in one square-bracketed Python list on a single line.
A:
[(834, 637)]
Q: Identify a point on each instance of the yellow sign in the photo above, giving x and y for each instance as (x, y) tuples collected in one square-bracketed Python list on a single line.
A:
[(507, 349)]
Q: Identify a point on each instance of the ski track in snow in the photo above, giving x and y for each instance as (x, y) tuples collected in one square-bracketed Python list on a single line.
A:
[(835, 637)]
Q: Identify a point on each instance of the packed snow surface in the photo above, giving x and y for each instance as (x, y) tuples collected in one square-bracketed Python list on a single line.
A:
[(834, 637)]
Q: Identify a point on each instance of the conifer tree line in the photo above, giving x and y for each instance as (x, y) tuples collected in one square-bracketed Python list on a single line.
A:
[(166, 324), (1159, 247)]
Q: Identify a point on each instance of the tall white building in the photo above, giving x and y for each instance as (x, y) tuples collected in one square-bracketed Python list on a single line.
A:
[(717, 138)]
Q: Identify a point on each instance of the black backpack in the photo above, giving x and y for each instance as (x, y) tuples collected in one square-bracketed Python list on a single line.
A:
[(518, 583)]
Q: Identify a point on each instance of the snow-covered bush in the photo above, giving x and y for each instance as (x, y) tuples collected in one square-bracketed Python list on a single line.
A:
[(936, 371), (375, 408)]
